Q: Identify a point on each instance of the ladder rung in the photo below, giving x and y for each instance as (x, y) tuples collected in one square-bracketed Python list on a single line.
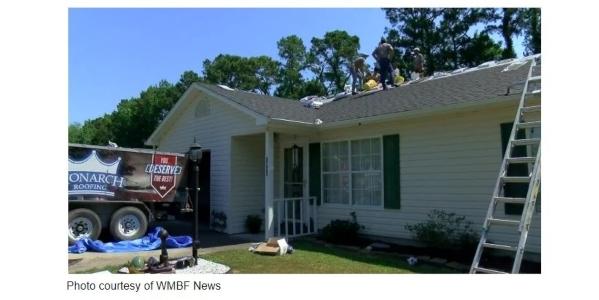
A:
[(504, 221), (488, 271), (521, 160), (534, 93), (500, 247), (510, 200), (515, 179), (523, 142), (529, 124), (532, 108), (534, 78)]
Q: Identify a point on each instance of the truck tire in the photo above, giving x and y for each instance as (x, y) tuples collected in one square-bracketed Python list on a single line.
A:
[(128, 223), (84, 222)]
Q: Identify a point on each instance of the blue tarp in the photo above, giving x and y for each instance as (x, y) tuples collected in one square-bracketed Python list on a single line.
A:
[(149, 242)]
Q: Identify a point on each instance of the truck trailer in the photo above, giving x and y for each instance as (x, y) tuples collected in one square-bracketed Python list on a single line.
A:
[(123, 190)]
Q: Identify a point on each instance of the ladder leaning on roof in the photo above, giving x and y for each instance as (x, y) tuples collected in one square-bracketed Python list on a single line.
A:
[(533, 179)]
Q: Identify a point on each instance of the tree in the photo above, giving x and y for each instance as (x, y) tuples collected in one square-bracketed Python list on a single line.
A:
[(256, 74), (479, 49), (266, 73), (532, 31), (416, 27), (293, 55), (453, 34), (186, 80), (75, 133), (330, 57), (511, 23)]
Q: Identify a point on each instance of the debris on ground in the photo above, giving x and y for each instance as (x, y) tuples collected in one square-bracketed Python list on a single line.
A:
[(273, 246)]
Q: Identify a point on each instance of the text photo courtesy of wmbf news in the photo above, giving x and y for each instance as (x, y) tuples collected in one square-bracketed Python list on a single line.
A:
[(154, 285)]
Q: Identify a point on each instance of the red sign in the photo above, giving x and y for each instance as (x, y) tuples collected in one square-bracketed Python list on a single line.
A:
[(163, 173)]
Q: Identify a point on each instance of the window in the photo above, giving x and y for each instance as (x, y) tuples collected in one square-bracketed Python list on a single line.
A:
[(352, 172)]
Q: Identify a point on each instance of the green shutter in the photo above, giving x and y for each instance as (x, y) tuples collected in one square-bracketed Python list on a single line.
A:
[(518, 190), (314, 153), (391, 171)]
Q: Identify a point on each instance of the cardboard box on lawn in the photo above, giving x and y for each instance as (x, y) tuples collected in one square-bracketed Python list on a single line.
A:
[(273, 246)]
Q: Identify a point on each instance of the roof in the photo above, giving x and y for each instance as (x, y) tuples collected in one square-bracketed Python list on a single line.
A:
[(489, 81), (468, 86)]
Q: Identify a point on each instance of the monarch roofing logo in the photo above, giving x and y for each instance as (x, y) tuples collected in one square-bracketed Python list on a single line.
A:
[(163, 171), (92, 176)]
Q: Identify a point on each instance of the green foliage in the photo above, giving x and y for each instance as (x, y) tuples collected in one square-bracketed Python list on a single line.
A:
[(444, 230), (257, 74), (330, 57), (342, 231), (134, 119), (293, 54), (479, 49), (253, 223), (532, 30)]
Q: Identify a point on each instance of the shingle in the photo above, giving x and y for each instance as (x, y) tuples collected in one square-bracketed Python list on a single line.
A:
[(472, 86)]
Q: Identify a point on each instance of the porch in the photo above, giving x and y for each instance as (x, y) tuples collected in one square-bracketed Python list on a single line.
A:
[(269, 178)]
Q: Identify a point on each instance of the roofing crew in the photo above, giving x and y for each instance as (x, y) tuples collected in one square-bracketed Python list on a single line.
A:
[(357, 74), (383, 54), (419, 62)]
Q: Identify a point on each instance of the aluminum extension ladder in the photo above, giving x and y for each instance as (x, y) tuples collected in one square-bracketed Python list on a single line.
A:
[(533, 179)]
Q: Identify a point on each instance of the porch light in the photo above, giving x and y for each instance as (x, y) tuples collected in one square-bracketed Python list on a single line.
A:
[(295, 156), (195, 155)]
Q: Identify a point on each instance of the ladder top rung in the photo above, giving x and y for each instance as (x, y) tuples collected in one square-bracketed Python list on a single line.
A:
[(515, 179), (488, 271), (510, 200), (529, 124), (500, 247), (532, 108), (534, 78), (522, 142), (534, 92), (504, 221)]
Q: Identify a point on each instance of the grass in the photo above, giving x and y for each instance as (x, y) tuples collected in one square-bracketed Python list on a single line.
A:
[(310, 257)]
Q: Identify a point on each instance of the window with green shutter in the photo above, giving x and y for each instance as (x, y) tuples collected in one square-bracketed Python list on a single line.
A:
[(391, 167)]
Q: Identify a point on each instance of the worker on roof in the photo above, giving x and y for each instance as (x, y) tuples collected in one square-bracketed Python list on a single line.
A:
[(383, 54), (357, 74), (419, 62)]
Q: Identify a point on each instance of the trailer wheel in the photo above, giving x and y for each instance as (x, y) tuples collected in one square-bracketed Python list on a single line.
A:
[(128, 223), (83, 223)]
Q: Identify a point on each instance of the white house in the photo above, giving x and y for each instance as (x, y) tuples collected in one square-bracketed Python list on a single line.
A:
[(390, 156)]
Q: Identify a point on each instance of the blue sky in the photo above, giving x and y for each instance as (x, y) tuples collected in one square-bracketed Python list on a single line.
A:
[(116, 53)]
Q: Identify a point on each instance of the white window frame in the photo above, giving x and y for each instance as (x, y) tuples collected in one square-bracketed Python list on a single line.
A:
[(350, 172)]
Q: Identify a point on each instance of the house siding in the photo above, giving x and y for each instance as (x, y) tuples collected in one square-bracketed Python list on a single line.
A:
[(449, 161), (247, 180), (214, 132)]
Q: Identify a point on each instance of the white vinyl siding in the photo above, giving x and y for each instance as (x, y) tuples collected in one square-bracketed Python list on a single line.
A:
[(449, 161), (213, 131)]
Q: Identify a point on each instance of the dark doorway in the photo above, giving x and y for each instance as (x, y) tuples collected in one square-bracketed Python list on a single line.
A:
[(204, 184)]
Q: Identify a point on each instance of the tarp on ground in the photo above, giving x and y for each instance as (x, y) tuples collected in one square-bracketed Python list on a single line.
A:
[(149, 242)]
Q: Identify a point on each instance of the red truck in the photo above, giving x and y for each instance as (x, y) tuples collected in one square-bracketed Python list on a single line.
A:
[(123, 190)]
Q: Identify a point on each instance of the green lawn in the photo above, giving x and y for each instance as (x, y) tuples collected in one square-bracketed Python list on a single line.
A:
[(311, 257)]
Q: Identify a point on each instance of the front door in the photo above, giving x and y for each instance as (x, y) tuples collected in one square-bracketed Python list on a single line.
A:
[(293, 178)]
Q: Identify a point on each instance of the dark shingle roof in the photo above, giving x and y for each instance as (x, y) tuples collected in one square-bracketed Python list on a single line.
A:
[(471, 86)]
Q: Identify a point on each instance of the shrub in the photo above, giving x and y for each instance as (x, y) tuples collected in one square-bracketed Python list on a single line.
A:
[(445, 230), (342, 231), (253, 223)]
